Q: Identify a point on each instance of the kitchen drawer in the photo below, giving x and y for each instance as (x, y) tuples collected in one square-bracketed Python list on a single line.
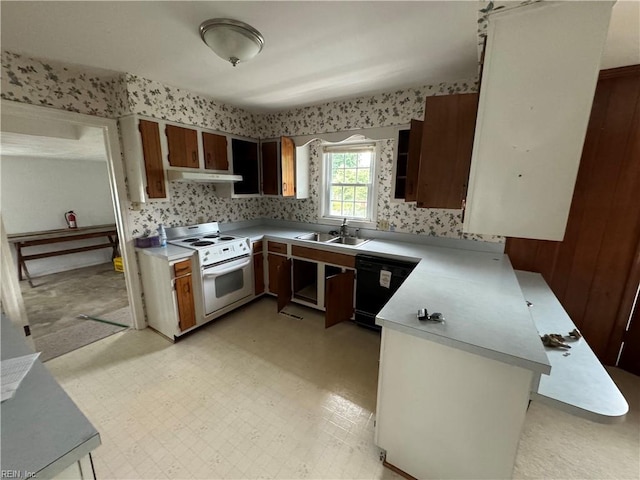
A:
[(182, 268), (257, 246), (324, 256), (277, 247)]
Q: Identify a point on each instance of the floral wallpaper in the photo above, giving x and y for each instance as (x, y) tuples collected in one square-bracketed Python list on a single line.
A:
[(393, 108), (112, 95), (154, 99), (51, 84), (197, 203), (387, 109), (405, 217)]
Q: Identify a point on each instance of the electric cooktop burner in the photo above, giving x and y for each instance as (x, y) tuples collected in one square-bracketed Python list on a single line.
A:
[(214, 235), (226, 238), (202, 243), (190, 240)]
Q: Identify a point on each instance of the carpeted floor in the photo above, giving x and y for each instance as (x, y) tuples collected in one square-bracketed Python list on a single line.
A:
[(54, 304), (70, 338)]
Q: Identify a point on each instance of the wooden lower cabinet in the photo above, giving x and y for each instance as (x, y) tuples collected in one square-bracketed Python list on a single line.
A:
[(172, 298), (339, 290), (186, 306), (258, 273), (315, 278), (274, 261), (283, 274)]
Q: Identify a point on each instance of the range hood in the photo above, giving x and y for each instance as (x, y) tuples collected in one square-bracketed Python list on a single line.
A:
[(201, 177)]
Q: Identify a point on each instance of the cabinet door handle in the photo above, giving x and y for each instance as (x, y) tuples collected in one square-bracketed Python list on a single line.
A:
[(284, 187), (193, 157)]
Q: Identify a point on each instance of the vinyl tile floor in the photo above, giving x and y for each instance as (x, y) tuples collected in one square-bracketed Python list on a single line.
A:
[(254, 394)]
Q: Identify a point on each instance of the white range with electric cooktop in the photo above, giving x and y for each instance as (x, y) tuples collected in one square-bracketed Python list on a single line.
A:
[(201, 273), (223, 261)]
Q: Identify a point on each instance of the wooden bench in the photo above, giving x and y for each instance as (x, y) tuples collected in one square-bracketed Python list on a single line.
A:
[(24, 240), (578, 383)]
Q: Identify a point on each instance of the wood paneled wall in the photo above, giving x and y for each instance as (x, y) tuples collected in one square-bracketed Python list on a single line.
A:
[(595, 271)]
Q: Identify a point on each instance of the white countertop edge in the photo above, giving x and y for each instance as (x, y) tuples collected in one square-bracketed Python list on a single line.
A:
[(598, 417), (170, 252), (72, 456), (535, 367), (566, 388)]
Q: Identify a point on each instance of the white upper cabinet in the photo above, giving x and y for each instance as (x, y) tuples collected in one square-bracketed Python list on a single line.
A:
[(540, 72)]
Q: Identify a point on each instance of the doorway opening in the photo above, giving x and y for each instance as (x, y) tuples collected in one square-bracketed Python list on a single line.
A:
[(73, 291)]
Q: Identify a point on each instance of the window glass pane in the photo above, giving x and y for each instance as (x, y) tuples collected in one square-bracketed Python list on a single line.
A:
[(347, 209), (360, 209), (337, 160), (364, 159), (349, 167), (363, 175), (337, 176), (351, 160), (336, 208), (350, 175), (348, 193), (361, 194)]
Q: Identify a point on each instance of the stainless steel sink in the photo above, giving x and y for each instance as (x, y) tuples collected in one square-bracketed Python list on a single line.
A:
[(329, 238), (349, 241), (318, 237)]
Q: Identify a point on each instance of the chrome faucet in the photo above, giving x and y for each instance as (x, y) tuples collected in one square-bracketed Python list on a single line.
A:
[(343, 228)]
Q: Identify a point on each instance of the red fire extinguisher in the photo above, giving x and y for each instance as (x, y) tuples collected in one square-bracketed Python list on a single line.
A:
[(71, 218)]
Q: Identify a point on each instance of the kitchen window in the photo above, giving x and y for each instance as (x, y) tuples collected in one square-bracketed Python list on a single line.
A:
[(349, 182)]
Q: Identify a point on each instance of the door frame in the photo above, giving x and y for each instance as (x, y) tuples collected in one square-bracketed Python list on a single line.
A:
[(117, 186)]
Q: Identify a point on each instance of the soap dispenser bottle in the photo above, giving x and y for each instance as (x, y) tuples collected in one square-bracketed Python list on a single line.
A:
[(162, 235)]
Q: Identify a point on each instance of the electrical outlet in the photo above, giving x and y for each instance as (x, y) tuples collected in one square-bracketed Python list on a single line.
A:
[(383, 224)]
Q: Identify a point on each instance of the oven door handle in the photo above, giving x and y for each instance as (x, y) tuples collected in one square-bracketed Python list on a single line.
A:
[(216, 272)]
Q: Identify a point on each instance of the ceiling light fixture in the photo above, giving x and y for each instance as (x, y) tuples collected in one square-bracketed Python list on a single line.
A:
[(231, 40)]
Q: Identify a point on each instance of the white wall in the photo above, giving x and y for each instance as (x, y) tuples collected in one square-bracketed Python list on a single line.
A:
[(35, 194)]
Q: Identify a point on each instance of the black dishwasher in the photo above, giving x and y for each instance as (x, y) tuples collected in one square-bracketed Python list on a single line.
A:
[(374, 287)]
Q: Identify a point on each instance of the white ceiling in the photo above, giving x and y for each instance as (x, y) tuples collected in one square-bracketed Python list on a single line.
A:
[(315, 51)]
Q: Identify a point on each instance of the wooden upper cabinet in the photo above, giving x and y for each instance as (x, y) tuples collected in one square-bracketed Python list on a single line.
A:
[(183, 147), (288, 158), (215, 151), (278, 167), (413, 160), (269, 151), (447, 144), (152, 154)]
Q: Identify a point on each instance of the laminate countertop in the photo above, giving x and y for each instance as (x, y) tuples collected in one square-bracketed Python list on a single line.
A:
[(579, 384), (43, 431)]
